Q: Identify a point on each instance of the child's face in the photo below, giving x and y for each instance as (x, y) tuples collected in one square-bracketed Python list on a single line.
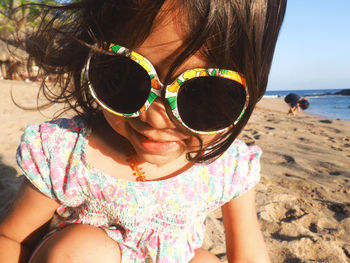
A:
[(154, 137)]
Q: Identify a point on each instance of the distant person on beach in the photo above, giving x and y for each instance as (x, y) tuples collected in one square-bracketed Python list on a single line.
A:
[(296, 102), (161, 90)]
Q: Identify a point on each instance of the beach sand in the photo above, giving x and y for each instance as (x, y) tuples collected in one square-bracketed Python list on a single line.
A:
[(303, 199)]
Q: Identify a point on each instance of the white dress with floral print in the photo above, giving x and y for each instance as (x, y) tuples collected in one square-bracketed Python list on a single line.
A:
[(155, 221)]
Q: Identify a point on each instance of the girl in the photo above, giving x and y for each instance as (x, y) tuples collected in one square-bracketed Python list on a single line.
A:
[(161, 90)]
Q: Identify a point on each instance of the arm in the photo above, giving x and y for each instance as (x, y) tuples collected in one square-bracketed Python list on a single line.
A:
[(24, 225), (244, 240)]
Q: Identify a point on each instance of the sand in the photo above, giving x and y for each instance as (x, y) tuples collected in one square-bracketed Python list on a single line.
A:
[(303, 199)]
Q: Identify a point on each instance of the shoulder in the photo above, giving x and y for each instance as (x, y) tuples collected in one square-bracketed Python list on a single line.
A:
[(44, 142), (237, 170), (239, 151), (71, 125), (47, 141), (49, 155), (52, 129), (242, 163)]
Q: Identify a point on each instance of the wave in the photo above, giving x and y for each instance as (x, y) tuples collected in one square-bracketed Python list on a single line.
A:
[(271, 96), (317, 95)]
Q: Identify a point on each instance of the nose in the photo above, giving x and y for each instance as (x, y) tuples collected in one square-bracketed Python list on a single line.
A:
[(156, 116)]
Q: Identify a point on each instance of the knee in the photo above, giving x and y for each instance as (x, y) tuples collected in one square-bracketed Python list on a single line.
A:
[(78, 243), (204, 256)]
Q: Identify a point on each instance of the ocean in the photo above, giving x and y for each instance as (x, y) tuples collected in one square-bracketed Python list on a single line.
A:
[(322, 102)]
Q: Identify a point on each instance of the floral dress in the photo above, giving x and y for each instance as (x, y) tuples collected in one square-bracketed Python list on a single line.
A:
[(154, 221)]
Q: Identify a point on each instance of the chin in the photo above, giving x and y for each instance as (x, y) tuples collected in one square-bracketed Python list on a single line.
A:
[(160, 160)]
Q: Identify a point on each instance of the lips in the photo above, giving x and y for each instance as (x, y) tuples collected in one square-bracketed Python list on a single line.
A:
[(158, 140), (157, 145)]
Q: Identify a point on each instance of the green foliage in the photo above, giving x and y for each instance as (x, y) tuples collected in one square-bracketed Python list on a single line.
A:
[(17, 16)]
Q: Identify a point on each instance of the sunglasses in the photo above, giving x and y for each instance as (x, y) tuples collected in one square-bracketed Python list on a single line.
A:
[(204, 100)]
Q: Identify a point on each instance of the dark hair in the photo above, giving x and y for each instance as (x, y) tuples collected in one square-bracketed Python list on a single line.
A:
[(233, 34), (304, 104)]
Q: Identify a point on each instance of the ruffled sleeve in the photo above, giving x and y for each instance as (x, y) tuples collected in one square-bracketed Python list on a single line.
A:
[(234, 173), (241, 169), (46, 156)]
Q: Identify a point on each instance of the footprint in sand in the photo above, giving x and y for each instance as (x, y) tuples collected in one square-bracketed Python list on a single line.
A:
[(284, 160), (294, 176), (316, 228), (325, 121), (248, 140), (257, 137), (313, 228), (337, 148), (332, 139), (331, 169), (305, 140), (341, 211), (292, 215), (292, 259), (329, 129), (254, 132), (346, 248), (346, 141), (288, 159), (275, 121), (335, 173), (313, 132), (281, 237)]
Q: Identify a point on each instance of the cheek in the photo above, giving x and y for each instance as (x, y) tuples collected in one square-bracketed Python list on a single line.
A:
[(209, 139), (206, 140), (118, 123)]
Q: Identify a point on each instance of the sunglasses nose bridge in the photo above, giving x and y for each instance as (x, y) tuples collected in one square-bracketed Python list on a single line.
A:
[(157, 87), (155, 92)]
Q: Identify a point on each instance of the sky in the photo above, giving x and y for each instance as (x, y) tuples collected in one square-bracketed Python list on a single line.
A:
[(313, 49)]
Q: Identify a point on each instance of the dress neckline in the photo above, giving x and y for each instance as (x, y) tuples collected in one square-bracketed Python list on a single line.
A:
[(84, 136)]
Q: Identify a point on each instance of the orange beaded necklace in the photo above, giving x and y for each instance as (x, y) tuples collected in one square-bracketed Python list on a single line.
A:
[(134, 165)]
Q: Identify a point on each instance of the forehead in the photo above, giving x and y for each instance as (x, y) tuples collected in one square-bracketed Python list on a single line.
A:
[(168, 32), (166, 41)]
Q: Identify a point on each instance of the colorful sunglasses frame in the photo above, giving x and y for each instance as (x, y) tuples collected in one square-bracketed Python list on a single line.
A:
[(171, 90)]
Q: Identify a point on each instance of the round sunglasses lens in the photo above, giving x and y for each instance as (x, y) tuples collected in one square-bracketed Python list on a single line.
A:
[(210, 103), (119, 82)]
